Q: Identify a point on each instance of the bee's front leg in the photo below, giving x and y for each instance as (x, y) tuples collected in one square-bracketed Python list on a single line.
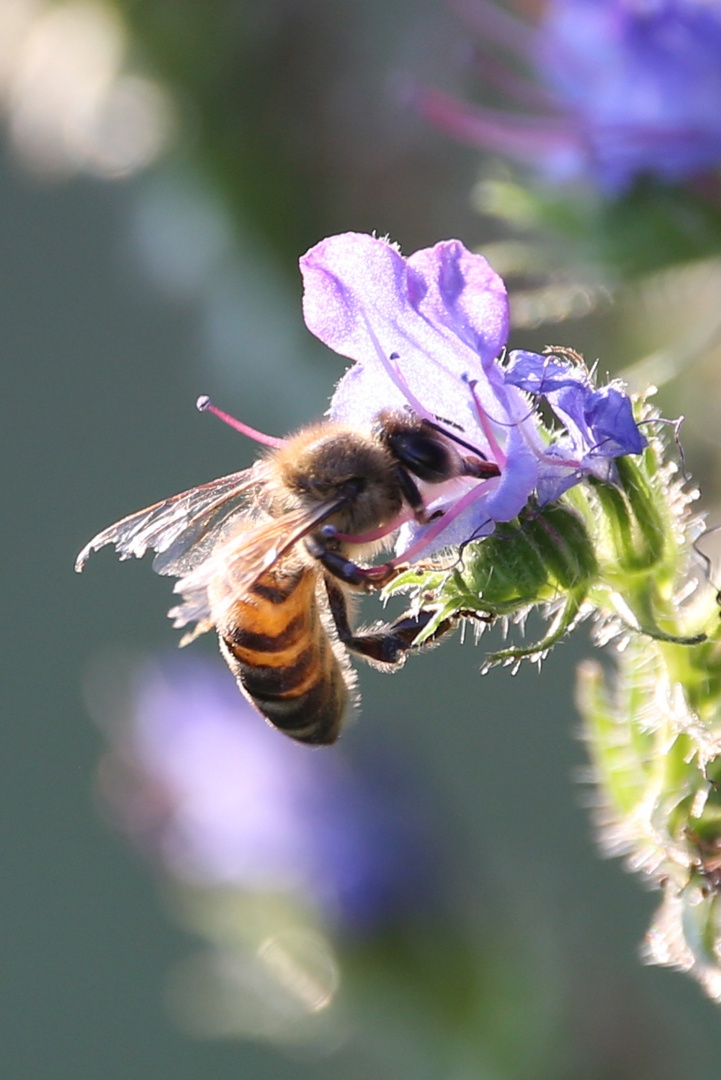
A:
[(368, 578), (387, 644)]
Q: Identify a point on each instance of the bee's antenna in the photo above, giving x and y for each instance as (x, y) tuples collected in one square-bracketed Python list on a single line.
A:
[(204, 404)]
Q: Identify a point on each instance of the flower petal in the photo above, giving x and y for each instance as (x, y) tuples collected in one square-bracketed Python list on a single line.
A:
[(441, 315), (609, 414), (600, 423)]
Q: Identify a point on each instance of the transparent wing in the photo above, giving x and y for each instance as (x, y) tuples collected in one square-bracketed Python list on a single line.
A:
[(211, 589), (183, 529)]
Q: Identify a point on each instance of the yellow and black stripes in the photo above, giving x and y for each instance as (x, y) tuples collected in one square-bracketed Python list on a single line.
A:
[(280, 653)]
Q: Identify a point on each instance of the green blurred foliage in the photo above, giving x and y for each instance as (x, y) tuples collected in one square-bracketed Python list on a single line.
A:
[(650, 228), (299, 116)]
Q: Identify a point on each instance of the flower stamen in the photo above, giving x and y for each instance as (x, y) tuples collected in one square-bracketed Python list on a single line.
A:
[(484, 420), (204, 404)]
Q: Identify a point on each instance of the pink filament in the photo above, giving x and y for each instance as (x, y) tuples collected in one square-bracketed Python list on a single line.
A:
[(441, 523), (375, 534), (395, 374), (204, 404), (434, 529), (484, 420)]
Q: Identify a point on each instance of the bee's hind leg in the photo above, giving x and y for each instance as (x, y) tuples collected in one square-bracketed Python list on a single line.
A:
[(388, 644)]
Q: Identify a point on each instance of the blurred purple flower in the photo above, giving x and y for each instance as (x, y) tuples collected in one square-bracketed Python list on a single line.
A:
[(624, 88), (199, 782), (427, 333)]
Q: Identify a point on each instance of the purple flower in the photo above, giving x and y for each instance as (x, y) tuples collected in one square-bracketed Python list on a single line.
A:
[(201, 784), (599, 424), (625, 87), (427, 333)]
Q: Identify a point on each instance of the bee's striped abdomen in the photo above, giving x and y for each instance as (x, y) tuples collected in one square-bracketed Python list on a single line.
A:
[(280, 653)]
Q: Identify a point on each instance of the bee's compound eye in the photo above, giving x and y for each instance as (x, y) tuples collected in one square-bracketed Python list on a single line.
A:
[(424, 455)]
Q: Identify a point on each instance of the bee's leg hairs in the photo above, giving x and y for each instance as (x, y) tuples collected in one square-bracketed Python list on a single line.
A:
[(386, 644)]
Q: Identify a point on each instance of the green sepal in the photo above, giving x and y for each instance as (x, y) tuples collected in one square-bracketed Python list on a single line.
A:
[(652, 226), (564, 621), (543, 558)]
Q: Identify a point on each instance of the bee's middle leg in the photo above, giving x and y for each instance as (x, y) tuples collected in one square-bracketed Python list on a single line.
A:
[(388, 644)]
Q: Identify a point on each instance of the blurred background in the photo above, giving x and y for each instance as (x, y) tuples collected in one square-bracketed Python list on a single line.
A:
[(184, 895)]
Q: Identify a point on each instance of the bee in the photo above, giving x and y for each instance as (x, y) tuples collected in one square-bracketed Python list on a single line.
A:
[(270, 556)]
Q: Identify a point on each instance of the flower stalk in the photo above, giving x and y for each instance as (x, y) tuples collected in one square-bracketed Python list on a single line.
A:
[(623, 552)]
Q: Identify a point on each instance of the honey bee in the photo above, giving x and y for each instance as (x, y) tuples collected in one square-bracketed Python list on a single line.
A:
[(269, 557)]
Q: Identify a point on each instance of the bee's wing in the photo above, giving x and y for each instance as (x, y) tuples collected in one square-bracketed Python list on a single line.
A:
[(210, 589), (182, 529)]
